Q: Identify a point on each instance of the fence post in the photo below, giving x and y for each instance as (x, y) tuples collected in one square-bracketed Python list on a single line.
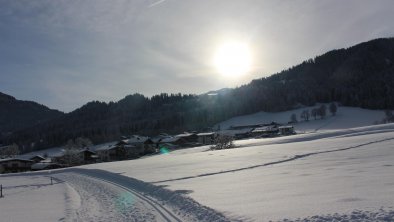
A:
[(51, 181), (1, 190)]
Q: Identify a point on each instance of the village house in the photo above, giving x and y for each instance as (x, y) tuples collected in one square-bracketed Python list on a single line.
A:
[(174, 142), (252, 130), (265, 131), (189, 137), (45, 166), (241, 133), (15, 165), (111, 153), (157, 139), (73, 157), (286, 130), (206, 138), (37, 158), (144, 145), (180, 140), (87, 156)]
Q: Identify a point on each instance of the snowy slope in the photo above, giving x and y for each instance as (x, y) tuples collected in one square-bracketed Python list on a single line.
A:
[(346, 117), (342, 173)]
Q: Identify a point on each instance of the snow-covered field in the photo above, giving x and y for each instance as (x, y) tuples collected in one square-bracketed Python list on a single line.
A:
[(33, 198), (336, 174), (344, 174)]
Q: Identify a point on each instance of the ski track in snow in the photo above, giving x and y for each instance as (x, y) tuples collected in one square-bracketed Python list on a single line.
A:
[(296, 157), (105, 202), (111, 197)]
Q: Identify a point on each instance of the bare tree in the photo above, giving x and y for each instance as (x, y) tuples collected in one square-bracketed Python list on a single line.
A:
[(72, 151), (9, 151), (223, 142), (333, 108), (305, 115), (82, 142)]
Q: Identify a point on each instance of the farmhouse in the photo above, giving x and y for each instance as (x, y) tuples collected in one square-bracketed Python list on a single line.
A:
[(237, 133), (37, 158), (173, 141), (87, 156), (265, 131), (188, 137), (180, 140), (206, 138), (45, 166), (286, 130), (15, 165), (111, 153), (143, 145)]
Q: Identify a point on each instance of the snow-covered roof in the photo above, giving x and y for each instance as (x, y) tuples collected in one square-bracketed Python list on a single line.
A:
[(235, 132), (264, 129), (170, 139), (185, 134), (87, 150), (129, 146), (286, 127), (37, 156), (160, 137), (206, 134), (136, 139), (13, 159), (106, 147), (94, 147)]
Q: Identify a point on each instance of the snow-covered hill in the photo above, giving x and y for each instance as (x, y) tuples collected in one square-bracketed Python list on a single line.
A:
[(346, 117)]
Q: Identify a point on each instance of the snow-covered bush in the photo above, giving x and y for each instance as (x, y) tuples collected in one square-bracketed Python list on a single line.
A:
[(223, 142)]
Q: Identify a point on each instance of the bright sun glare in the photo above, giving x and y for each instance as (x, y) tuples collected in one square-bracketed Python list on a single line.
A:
[(233, 59)]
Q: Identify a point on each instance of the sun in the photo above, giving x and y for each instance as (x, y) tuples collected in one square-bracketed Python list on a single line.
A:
[(233, 59)]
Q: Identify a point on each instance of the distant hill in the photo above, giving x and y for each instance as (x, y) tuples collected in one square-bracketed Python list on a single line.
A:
[(359, 76), (16, 114)]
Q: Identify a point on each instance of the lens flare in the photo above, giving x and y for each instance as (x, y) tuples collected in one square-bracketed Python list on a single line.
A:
[(164, 150)]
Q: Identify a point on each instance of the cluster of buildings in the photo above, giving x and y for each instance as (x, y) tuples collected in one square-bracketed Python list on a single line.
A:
[(135, 146), (259, 131)]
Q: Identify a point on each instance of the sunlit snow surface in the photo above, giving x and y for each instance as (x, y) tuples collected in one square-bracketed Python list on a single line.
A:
[(332, 173)]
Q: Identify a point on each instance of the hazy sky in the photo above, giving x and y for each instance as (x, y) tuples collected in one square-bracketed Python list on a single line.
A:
[(65, 53)]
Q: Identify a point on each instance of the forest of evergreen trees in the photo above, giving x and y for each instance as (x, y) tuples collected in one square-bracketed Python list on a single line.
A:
[(362, 76)]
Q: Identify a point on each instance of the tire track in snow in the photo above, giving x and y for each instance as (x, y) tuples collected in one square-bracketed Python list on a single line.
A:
[(296, 157)]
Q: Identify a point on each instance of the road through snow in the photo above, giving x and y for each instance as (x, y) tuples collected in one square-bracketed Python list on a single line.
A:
[(107, 196)]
